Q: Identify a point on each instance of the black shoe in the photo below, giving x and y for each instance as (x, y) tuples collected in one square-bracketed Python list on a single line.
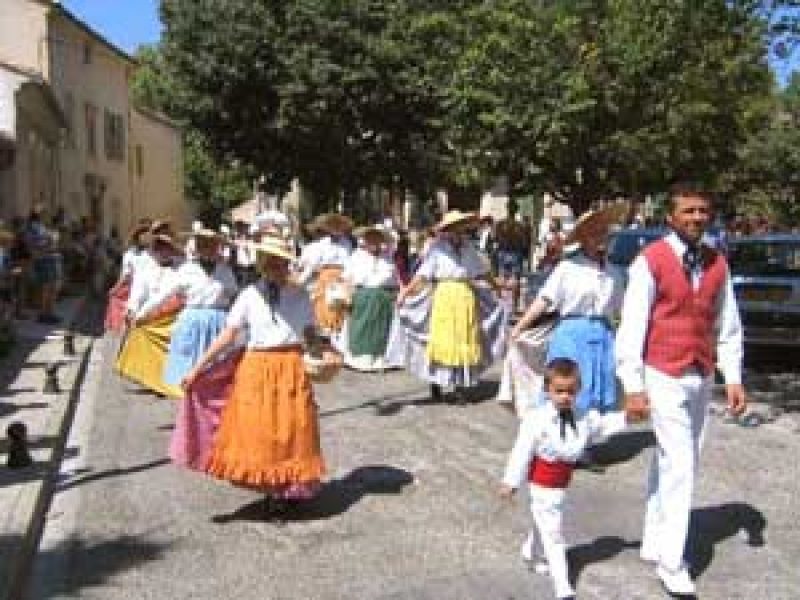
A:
[(436, 392), (459, 397)]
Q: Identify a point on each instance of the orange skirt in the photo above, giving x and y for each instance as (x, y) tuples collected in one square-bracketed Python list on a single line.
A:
[(327, 318), (268, 436)]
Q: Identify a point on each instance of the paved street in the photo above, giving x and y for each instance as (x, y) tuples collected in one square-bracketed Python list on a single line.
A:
[(410, 513)]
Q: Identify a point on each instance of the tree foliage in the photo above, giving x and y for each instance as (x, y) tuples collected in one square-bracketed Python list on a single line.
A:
[(581, 98)]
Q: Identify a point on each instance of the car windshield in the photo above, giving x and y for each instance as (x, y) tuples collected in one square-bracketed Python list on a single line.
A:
[(623, 246), (778, 258)]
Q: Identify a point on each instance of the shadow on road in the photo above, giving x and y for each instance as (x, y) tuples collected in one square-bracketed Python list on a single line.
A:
[(599, 550), (623, 447), (112, 473), (336, 497), (79, 564), (714, 524)]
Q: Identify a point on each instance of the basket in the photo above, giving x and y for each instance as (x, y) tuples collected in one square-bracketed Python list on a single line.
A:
[(320, 370)]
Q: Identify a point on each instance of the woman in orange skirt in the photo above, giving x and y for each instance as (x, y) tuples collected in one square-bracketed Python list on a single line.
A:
[(268, 436)]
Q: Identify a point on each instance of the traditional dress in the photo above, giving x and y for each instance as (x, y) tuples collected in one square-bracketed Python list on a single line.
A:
[(144, 349), (207, 295), (117, 307), (586, 297), (548, 446), (324, 261), (374, 281), (451, 333), (678, 317), (268, 438)]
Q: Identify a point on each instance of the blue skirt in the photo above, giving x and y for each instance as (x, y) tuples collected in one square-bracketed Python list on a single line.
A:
[(590, 343), (192, 334)]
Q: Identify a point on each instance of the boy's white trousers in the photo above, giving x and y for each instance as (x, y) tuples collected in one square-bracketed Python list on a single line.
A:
[(547, 507)]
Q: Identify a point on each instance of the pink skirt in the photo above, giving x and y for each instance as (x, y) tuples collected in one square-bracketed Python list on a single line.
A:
[(199, 415), (116, 307)]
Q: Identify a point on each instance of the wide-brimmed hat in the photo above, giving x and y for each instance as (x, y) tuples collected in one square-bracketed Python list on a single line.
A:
[(611, 214), (202, 232), (456, 217), (375, 231), (333, 222), (160, 226), (273, 245), (163, 238), (138, 230)]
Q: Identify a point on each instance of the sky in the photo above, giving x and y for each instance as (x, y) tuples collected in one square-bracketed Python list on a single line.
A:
[(130, 23)]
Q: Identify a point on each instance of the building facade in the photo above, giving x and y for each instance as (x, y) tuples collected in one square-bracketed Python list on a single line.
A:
[(102, 135)]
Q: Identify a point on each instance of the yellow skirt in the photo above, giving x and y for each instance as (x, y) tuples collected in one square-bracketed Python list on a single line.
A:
[(268, 437), (144, 353), (454, 336), (329, 319)]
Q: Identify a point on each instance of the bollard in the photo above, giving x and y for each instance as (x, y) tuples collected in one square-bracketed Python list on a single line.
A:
[(69, 343), (51, 379), (19, 456)]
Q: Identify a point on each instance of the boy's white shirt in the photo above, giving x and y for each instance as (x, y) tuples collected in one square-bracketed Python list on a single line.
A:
[(539, 435)]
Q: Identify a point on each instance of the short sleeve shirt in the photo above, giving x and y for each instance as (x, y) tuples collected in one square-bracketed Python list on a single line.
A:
[(268, 327)]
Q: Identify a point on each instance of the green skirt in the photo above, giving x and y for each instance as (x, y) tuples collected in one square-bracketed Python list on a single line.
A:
[(371, 316)]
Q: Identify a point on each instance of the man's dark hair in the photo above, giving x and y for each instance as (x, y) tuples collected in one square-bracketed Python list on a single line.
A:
[(562, 367), (681, 189)]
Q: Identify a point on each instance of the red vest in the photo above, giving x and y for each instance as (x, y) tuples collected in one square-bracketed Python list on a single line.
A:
[(555, 474), (680, 333)]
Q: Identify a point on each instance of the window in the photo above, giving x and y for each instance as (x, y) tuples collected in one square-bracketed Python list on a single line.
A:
[(139, 160), (90, 114), (87, 53), (114, 136)]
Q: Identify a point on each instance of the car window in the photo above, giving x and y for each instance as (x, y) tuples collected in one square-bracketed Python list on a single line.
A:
[(766, 258), (624, 246)]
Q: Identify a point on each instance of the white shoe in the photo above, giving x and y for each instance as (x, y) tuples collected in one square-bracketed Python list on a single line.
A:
[(649, 554), (677, 582)]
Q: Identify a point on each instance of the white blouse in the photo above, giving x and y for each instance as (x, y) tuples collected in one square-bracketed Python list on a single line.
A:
[(268, 328), (149, 282), (364, 269), (200, 289), (539, 435), (579, 286), (443, 262), (131, 260), (327, 251)]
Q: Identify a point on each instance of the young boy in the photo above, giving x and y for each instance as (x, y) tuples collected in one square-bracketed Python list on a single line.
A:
[(549, 442)]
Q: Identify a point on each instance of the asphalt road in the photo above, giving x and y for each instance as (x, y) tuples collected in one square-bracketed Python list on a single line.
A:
[(411, 510)]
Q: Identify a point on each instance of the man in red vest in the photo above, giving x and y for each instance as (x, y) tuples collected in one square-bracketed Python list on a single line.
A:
[(679, 320)]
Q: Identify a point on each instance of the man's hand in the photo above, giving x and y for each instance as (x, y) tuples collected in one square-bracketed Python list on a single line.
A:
[(506, 492), (637, 406), (737, 398)]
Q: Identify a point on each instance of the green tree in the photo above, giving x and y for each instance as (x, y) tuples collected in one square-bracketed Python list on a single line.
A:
[(212, 184)]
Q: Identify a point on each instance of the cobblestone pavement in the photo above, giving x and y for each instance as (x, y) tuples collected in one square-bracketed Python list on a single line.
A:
[(410, 512)]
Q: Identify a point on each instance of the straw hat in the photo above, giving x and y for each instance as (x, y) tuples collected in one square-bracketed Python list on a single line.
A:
[(372, 231), (333, 223), (163, 238), (590, 221), (456, 217), (160, 226), (274, 246), (137, 230), (202, 232)]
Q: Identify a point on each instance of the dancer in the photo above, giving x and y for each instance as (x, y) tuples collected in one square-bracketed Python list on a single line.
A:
[(586, 295), (144, 348), (268, 438), (679, 314), (120, 292), (208, 287), (549, 442), (371, 273), (450, 336), (322, 264)]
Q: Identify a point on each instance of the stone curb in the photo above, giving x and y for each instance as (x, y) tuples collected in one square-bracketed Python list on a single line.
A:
[(29, 513)]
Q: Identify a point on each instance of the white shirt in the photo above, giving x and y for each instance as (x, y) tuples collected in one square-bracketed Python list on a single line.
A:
[(266, 328), (322, 252), (149, 281), (443, 262), (131, 260), (199, 289), (636, 309), (366, 270), (579, 286), (245, 255), (539, 435)]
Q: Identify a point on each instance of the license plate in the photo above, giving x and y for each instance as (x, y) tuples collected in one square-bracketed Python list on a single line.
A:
[(764, 294)]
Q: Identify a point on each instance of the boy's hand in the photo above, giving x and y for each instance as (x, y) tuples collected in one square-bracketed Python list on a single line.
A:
[(506, 492)]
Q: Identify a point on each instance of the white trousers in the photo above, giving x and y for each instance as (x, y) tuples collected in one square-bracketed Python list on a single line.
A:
[(678, 412), (547, 507)]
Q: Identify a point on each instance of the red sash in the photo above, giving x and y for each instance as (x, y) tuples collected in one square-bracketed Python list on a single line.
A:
[(550, 474)]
